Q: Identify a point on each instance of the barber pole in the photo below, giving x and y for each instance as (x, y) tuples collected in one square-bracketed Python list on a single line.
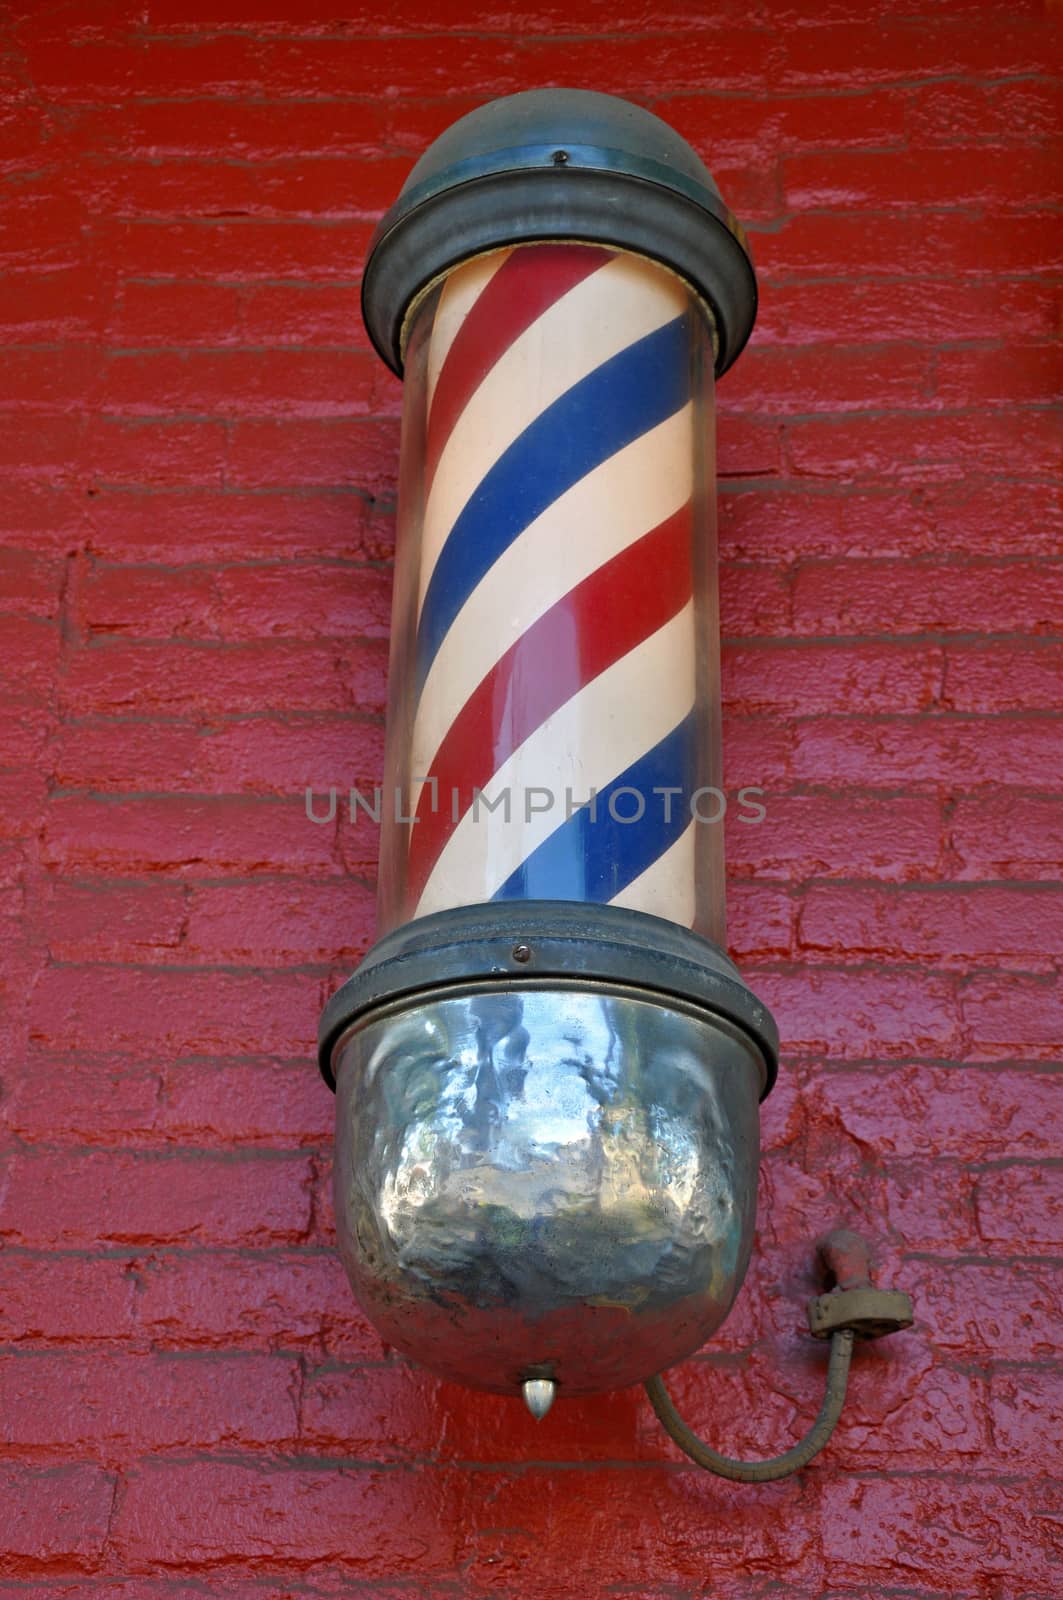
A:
[(547, 1069)]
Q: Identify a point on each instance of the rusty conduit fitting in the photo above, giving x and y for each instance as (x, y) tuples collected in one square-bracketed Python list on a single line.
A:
[(852, 1309)]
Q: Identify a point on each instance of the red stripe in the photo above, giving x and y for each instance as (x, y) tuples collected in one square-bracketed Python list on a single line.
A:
[(526, 284), (602, 619)]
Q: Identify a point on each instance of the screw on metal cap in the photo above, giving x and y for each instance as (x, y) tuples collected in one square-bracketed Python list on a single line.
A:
[(559, 164)]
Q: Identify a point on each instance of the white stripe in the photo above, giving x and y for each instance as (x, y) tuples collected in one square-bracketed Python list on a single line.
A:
[(599, 317), (666, 888), (628, 495), (597, 734), (459, 294)]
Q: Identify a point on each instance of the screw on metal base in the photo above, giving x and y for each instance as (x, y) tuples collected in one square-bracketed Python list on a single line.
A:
[(539, 1396), (852, 1310)]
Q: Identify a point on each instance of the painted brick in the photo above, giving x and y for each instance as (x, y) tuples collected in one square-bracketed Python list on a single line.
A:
[(305, 452), (784, 381), (946, 927), (288, 922), (772, 125), (1025, 1414), (901, 1405), (215, 525), (389, 1414), (274, 383), (869, 598), (115, 1407), (111, 920), (60, 304), (858, 311), (237, 603), (859, 1013), (947, 1111), (201, 838), (973, 114), (99, 1103), (902, 1528), (1007, 835), (927, 449), (140, 1011), (252, 1299), (950, 243), (199, 465), (791, 678), (118, 1198), (1010, 374), (29, 583), (975, 1311), (1018, 178), (1022, 1208), (65, 1299), (54, 1518), (829, 835), (188, 1514), (999, 47), (962, 753), (1018, 676), (666, 1515), (1017, 1016), (253, 754), (206, 1104), (802, 521), (931, 1205), (243, 250)]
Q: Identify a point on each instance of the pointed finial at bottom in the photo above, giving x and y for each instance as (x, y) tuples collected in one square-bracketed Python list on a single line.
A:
[(539, 1396)]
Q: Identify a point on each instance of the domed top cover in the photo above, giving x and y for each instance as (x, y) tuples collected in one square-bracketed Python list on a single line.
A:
[(559, 164)]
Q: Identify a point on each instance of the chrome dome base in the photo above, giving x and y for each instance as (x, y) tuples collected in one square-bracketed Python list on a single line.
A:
[(540, 1180)]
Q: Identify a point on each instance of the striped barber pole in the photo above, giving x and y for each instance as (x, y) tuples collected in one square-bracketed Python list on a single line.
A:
[(555, 638)]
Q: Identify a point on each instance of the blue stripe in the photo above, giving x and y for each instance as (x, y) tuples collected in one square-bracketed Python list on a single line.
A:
[(615, 404), (594, 858)]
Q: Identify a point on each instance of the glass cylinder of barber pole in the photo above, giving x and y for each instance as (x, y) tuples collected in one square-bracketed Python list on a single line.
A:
[(547, 1068), (553, 729)]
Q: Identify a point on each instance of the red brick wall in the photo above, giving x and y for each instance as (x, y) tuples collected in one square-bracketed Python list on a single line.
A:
[(199, 459)]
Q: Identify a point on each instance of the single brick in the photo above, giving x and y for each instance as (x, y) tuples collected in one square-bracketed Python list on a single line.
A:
[(974, 1311), (192, 836), (922, 449), (54, 1517), (1021, 1208), (860, 1013), (59, 1299), (119, 1198), (190, 1515), (950, 926), (1026, 1416), (921, 753), (803, 679), (113, 1407), (944, 1111), (142, 1012), (262, 1299), (937, 1524), (858, 597), (287, 922), (834, 835), (843, 180), (1006, 834), (1013, 675)]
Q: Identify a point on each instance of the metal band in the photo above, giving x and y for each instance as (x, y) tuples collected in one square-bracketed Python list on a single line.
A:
[(506, 943)]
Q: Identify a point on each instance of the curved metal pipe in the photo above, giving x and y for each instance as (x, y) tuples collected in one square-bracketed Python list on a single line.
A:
[(792, 1460)]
